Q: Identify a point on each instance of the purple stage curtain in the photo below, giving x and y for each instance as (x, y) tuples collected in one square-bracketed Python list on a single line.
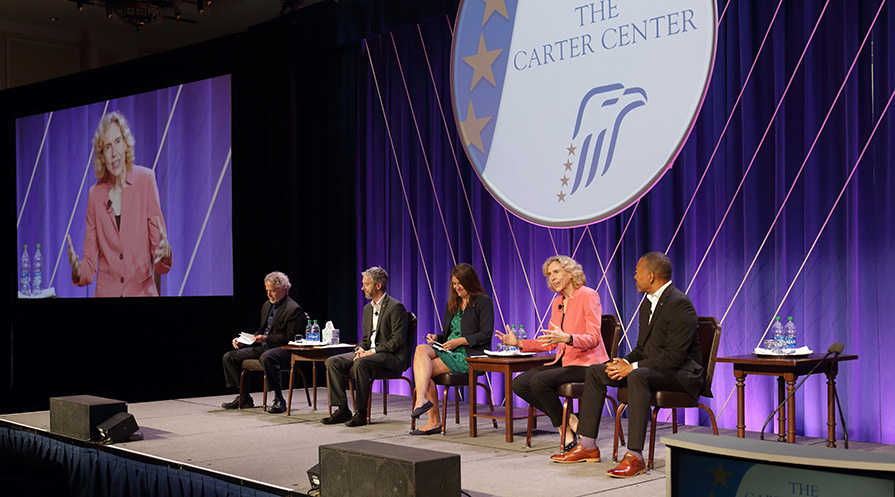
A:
[(422, 209), (183, 133)]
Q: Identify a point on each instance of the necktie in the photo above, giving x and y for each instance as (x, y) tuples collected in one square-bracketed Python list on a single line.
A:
[(647, 309)]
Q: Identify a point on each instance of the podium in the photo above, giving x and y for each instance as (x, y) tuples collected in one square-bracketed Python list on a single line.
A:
[(701, 464)]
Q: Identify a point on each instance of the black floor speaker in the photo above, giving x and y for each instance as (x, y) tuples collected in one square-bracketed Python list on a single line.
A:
[(117, 428), (364, 468), (78, 416)]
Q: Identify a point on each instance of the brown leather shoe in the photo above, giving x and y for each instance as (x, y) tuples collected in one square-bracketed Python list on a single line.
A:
[(578, 454), (630, 466)]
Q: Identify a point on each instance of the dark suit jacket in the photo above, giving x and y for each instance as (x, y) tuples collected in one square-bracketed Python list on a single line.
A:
[(392, 335), (670, 341), (289, 321), (477, 324)]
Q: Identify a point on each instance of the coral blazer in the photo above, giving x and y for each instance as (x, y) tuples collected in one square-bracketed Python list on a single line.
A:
[(582, 320), (122, 261)]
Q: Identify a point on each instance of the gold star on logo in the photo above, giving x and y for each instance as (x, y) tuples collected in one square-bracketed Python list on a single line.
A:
[(565, 181), (492, 6), (562, 197), (481, 63), (568, 165), (472, 128), (720, 475), (571, 149)]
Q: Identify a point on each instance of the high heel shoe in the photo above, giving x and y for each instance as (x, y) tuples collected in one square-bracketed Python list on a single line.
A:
[(571, 445)]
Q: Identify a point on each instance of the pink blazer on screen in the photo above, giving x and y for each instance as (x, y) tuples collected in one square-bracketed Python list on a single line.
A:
[(582, 320), (122, 261)]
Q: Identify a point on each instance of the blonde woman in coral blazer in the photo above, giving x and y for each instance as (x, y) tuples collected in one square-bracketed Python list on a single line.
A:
[(574, 332), (125, 236)]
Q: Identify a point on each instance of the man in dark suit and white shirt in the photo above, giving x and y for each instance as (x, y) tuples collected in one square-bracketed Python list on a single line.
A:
[(384, 345), (666, 357), (281, 319)]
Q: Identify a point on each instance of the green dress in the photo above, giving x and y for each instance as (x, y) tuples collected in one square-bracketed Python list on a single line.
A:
[(455, 360)]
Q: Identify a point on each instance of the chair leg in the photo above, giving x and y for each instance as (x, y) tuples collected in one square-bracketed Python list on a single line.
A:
[(242, 377), (566, 412), (490, 403), (711, 417), (291, 380), (444, 403), (652, 438), (618, 429), (412, 398), (531, 418), (456, 405), (264, 396), (621, 432), (673, 420), (384, 397), (370, 401), (351, 389)]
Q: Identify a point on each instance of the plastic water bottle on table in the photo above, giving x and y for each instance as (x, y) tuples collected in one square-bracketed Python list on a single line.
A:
[(789, 333), (25, 278)]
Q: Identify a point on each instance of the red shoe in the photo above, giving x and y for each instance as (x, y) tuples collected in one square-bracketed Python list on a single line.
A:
[(578, 454), (630, 466)]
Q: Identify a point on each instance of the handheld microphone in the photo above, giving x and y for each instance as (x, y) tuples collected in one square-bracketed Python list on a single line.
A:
[(836, 348)]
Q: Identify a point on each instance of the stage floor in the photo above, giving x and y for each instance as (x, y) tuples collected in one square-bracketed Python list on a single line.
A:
[(278, 450)]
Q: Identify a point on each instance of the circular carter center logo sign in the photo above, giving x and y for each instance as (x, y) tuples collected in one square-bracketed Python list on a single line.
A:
[(571, 110)]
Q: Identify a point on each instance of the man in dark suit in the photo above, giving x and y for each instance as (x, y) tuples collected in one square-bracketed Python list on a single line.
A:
[(384, 346), (666, 357), (281, 319)]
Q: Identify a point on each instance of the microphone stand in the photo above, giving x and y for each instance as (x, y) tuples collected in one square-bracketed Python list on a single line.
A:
[(835, 348), (839, 407)]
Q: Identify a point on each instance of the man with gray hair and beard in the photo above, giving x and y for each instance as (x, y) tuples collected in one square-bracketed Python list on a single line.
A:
[(281, 319)]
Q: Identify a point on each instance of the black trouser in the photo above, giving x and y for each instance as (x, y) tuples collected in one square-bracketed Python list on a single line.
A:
[(538, 387), (641, 383), (272, 360), (342, 366)]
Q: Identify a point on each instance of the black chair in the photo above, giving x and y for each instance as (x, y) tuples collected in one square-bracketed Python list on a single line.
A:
[(610, 332), (709, 331), (255, 365), (457, 380)]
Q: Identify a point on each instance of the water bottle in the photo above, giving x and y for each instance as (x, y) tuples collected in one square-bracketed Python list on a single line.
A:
[(789, 331), (37, 279), (521, 334), (777, 330), (315, 331), (25, 279), (308, 331)]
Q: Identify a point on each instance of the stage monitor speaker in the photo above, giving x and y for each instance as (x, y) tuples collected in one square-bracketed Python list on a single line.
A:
[(78, 416), (117, 428), (365, 468)]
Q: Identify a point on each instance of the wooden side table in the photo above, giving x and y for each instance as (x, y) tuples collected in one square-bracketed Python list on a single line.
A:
[(314, 355), (787, 370), (506, 365)]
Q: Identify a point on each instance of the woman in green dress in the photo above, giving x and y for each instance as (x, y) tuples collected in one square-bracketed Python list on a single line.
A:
[(467, 329)]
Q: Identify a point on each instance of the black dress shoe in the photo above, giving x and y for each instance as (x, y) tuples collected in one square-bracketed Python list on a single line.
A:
[(246, 403), (340, 416), (359, 419), (278, 406)]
